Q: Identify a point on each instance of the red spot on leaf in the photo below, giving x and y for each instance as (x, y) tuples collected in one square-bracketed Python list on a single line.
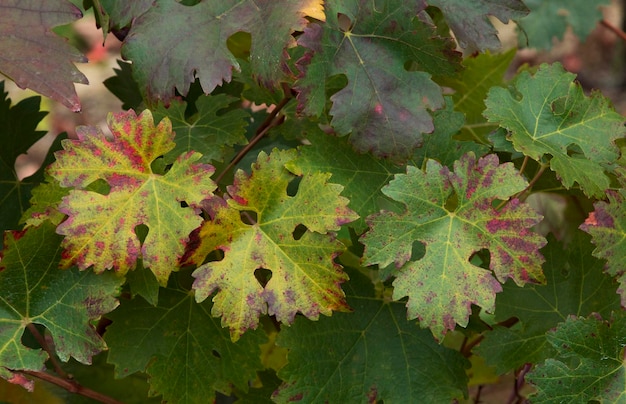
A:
[(21, 380), (372, 395), (591, 220)]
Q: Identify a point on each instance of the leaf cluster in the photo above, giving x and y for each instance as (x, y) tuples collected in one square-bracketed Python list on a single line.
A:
[(312, 201)]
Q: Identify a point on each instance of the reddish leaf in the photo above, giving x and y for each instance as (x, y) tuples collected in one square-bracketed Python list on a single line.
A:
[(101, 229), (35, 57)]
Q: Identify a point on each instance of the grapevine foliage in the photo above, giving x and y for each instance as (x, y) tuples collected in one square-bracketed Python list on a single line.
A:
[(313, 201)]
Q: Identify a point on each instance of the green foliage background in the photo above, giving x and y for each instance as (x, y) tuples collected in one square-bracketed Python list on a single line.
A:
[(312, 201)]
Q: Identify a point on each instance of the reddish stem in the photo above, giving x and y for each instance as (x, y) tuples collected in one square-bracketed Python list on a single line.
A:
[(72, 386)]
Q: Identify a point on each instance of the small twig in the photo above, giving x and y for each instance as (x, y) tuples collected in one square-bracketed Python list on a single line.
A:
[(524, 163), (268, 124), (72, 386), (44, 345), (518, 384), (477, 396), (613, 28)]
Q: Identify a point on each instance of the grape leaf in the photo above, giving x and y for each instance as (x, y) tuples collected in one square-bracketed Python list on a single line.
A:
[(549, 19), (371, 355), (100, 229), (44, 204), (124, 87), (576, 286), (442, 145), (208, 132), (122, 12), (35, 57), (589, 366), (470, 23), (304, 277), (271, 34), (451, 214), (547, 114), (184, 350), (362, 175), (197, 35), (17, 134), (34, 291), (471, 86), (370, 44), (607, 226)]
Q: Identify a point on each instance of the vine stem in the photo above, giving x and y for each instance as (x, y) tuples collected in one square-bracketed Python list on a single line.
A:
[(72, 386), (270, 122), (44, 345), (614, 29)]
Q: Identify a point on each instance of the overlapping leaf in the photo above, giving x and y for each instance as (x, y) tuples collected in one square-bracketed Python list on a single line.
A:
[(443, 145), (471, 86), (186, 352), (208, 132), (371, 355), (34, 291), (549, 19), (362, 175), (575, 286), (550, 118), (384, 106), (35, 57), (101, 228), (452, 215), (607, 226), (589, 366), (470, 23), (304, 277), (17, 134), (195, 46)]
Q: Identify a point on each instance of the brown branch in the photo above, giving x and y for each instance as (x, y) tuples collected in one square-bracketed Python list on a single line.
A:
[(269, 122), (613, 28), (44, 345), (72, 386)]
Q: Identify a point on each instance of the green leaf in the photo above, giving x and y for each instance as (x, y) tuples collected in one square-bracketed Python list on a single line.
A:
[(17, 134), (361, 175), (209, 132), (451, 214), (471, 86), (100, 229), (371, 355), (575, 286), (470, 23), (607, 226), (44, 204), (123, 86), (184, 350), (258, 228), (550, 118), (371, 44), (442, 145), (549, 19), (34, 291), (33, 55), (589, 365)]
